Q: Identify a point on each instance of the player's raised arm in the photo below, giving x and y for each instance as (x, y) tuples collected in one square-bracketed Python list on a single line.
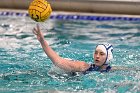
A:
[(65, 64)]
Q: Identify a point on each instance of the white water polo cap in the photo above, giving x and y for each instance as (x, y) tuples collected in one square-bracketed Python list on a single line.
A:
[(108, 50)]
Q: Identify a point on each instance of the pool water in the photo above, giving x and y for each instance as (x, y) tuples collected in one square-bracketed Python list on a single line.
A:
[(24, 67)]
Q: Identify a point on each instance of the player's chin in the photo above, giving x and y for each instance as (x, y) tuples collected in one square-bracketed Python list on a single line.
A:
[(97, 63)]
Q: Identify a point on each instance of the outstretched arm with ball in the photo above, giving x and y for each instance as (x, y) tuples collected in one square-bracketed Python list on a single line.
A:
[(69, 65)]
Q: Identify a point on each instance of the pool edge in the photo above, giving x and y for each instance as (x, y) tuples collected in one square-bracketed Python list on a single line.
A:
[(74, 15)]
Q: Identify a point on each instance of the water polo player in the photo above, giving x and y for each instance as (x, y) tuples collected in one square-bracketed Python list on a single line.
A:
[(102, 56)]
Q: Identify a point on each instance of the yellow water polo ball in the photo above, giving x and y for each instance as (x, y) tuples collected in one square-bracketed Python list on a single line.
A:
[(39, 10)]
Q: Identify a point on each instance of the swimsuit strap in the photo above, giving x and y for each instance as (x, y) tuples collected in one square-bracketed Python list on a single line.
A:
[(108, 68)]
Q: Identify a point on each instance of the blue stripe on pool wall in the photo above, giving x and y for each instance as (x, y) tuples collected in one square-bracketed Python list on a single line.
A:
[(74, 17)]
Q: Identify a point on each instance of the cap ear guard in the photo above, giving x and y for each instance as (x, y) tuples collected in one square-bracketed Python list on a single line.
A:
[(110, 55), (109, 49)]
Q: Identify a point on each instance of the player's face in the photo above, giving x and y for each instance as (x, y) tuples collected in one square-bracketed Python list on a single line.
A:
[(99, 57)]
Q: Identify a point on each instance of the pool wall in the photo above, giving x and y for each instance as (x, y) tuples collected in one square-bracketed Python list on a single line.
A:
[(74, 15), (93, 6)]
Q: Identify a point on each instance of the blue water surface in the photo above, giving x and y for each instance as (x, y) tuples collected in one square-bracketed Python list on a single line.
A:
[(24, 67)]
